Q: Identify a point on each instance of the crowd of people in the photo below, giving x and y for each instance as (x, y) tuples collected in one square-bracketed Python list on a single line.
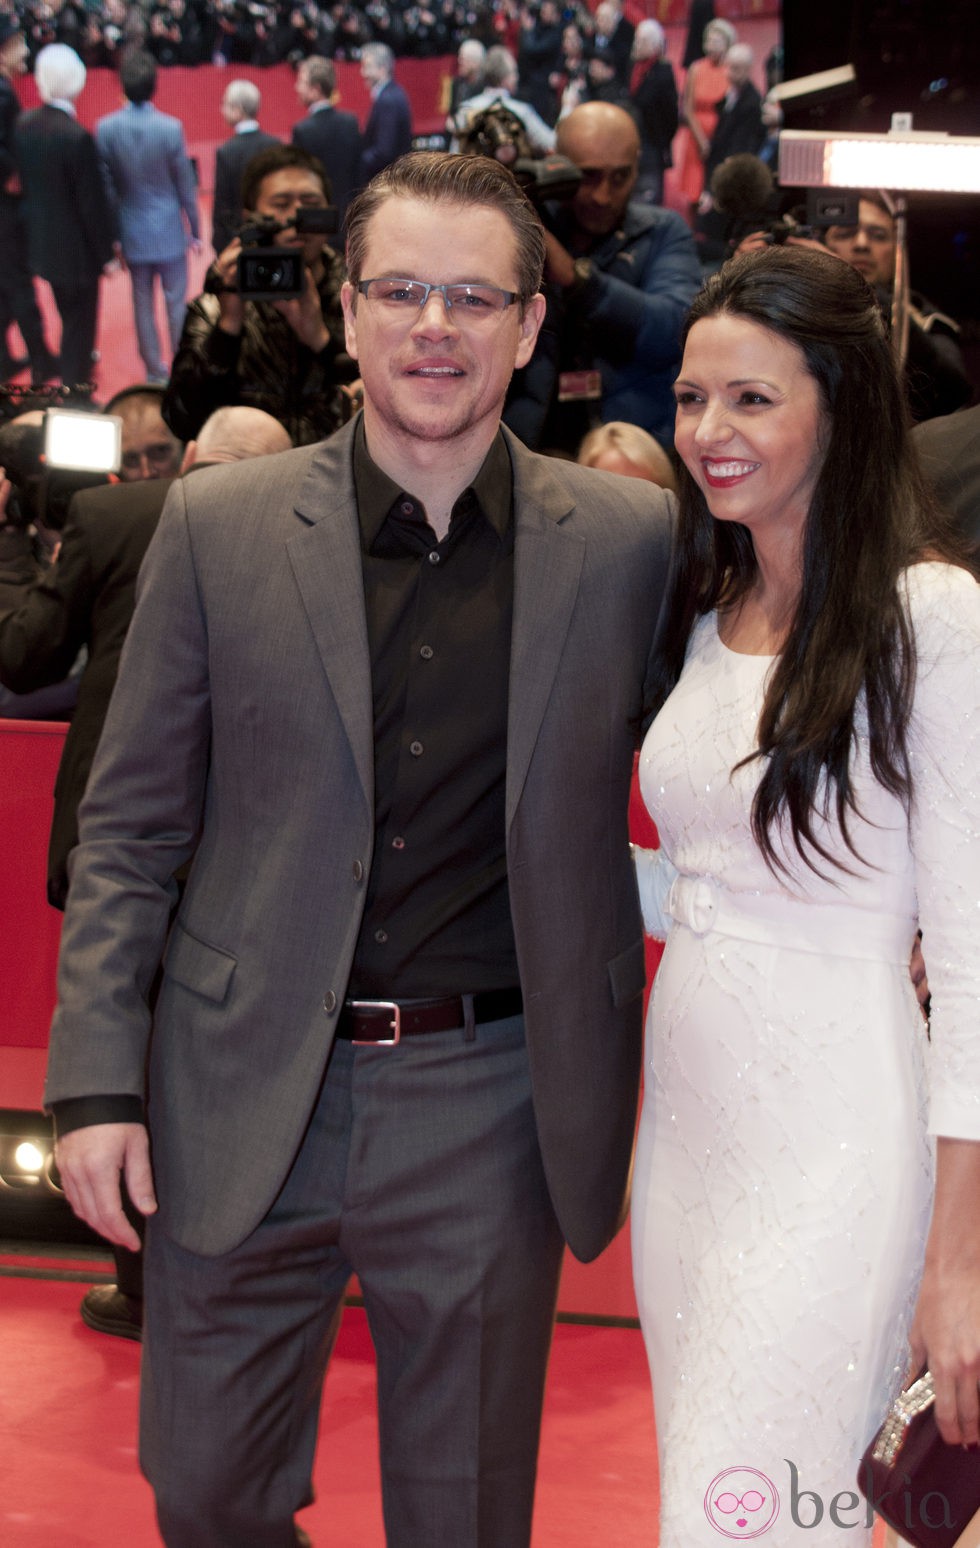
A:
[(266, 32), (356, 847)]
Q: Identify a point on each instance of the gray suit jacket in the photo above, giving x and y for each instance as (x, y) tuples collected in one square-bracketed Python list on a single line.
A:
[(150, 182), (241, 732)]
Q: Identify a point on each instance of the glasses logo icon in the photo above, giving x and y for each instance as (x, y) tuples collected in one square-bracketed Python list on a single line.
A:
[(741, 1503)]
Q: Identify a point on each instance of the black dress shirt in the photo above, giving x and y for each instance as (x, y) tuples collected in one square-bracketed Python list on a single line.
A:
[(437, 913)]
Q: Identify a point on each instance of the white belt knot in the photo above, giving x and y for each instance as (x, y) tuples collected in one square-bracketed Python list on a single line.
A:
[(693, 901)]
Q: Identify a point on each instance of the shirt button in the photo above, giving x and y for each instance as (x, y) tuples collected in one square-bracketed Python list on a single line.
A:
[(416, 749), (408, 509), (358, 870), (398, 843), (426, 652), (434, 556), (330, 1002), (381, 936)]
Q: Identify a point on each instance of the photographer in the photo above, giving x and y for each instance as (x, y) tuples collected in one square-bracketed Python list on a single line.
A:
[(620, 277), (286, 357), (175, 35)]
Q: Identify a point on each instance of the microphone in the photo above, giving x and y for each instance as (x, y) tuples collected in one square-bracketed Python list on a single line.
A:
[(742, 188)]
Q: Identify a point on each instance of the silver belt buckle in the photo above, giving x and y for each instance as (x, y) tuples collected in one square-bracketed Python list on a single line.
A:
[(395, 1023)]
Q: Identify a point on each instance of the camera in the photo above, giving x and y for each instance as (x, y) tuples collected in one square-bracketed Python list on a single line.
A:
[(270, 273), (498, 133)]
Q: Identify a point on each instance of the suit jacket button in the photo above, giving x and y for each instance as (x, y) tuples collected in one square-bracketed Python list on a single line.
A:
[(358, 870), (330, 1002)]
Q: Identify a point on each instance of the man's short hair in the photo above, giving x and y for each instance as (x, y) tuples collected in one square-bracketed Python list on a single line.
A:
[(148, 391), (245, 96), (441, 178), (59, 72), (320, 73), (500, 66), (138, 75), (276, 159), (379, 54)]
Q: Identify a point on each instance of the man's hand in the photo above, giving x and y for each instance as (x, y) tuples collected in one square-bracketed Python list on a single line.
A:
[(90, 1162), (559, 265), (917, 973), (232, 306), (305, 316)]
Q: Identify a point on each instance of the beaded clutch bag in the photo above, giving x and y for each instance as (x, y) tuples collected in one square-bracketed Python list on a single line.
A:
[(927, 1491)]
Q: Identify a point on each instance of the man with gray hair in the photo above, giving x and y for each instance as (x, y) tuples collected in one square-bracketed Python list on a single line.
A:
[(240, 110), (328, 133), (501, 81), (739, 131), (653, 94), (70, 225), (388, 131), (469, 78)]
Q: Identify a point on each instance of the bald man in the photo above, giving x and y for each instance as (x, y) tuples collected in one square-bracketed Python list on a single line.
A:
[(620, 277)]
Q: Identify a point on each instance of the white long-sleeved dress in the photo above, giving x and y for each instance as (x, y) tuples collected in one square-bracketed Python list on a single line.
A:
[(784, 1165)]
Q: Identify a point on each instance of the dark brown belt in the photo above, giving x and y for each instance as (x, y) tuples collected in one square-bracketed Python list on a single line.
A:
[(386, 1022)]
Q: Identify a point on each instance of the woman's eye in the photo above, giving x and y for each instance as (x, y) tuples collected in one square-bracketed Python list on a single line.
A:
[(753, 399), (686, 399)]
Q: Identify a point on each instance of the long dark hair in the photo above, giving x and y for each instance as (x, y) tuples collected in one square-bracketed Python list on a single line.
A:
[(870, 517)]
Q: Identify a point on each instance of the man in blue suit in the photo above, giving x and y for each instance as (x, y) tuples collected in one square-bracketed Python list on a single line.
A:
[(151, 183), (388, 131)]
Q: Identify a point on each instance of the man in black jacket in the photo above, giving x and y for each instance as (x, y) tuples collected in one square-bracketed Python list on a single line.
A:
[(70, 225), (285, 357), (328, 133), (739, 130), (240, 110), (17, 300)]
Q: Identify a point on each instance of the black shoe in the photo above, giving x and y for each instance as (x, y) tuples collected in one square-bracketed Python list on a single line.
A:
[(106, 1309)]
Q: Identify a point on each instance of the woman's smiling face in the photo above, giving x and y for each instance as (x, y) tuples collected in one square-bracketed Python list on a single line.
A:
[(751, 428)]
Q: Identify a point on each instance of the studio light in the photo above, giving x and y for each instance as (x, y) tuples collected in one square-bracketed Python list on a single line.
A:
[(908, 162), (27, 1156)]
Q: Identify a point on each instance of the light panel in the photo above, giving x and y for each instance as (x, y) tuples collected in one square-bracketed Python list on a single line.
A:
[(912, 163)]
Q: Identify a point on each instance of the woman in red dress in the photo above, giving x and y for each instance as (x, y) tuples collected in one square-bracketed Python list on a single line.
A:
[(704, 88)]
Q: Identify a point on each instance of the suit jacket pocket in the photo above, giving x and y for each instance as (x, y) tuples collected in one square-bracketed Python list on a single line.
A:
[(207, 970), (627, 974)]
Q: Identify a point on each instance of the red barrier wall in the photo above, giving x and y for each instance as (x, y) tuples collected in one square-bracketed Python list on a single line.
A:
[(30, 928)]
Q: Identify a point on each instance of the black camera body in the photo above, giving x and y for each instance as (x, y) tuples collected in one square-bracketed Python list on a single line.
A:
[(270, 273)]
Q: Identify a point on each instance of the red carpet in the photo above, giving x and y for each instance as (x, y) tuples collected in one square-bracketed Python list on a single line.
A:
[(68, 1402)]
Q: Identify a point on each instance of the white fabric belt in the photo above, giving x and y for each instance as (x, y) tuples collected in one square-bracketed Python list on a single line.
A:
[(779, 920)]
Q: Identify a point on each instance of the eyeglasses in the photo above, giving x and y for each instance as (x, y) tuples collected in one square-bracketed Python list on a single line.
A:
[(468, 303)]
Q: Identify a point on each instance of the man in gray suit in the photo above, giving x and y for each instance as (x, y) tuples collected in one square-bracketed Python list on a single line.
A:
[(396, 682), (151, 183)]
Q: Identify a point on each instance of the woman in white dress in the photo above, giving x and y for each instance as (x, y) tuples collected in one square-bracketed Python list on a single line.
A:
[(814, 772)]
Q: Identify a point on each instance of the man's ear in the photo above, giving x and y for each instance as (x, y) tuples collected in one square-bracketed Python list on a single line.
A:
[(348, 301), (190, 456), (531, 320)]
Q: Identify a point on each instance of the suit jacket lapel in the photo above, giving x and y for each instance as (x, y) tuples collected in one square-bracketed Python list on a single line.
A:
[(548, 562), (326, 560)]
